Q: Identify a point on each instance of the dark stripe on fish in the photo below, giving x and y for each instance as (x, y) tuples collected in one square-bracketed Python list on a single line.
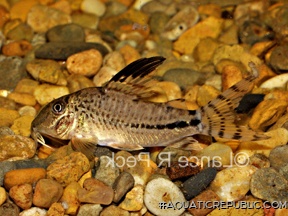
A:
[(173, 125)]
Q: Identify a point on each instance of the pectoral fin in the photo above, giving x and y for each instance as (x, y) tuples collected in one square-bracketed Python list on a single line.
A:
[(86, 146)]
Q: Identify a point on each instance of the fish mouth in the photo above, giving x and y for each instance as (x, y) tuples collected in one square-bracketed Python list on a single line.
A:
[(38, 138)]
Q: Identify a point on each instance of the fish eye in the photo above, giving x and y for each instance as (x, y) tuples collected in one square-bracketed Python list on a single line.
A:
[(58, 107)]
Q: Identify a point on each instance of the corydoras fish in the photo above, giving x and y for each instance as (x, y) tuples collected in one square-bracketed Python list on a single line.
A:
[(117, 115)]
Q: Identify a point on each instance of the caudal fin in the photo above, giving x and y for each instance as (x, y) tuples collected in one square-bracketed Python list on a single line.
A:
[(218, 116)]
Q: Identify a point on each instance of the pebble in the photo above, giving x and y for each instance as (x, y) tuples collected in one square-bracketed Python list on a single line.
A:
[(230, 35), (267, 113), (16, 146), (107, 172), (41, 18), (205, 94), (46, 192), (278, 81), (104, 75), (230, 76), (196, 184), (278, 157), (15, 66), (90, 210), (66, 33), (62, 50), (27, 111), (56, 209), (113, 210), (187, 42), (86, 20), (96, 192), (26, 86), (114, 60), (22, 98), (205, 49), (178, 170), (129, 53), (259, 160), (23, 176), (5, 15), (163, 190), (205, 196), (123, 183), (21, 126), (45, 93), (68, 169), (34, 211), (77, 82), (3, 195), (268, 184), (22, 195), (70, 198), (284, 171), (7, 104), (9, 209), (21, 32), (95, 7), (158, 21), (232, 184), (85, 63), (134, 199), (48, 71), (169, 155), (216, 151), (7, 116), (20, 9), (278, 58), (17, 48)]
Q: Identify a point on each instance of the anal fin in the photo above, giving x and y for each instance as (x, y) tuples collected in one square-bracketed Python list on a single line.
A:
[(187, 143)]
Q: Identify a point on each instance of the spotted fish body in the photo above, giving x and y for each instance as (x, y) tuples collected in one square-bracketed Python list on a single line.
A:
[(117, 115)]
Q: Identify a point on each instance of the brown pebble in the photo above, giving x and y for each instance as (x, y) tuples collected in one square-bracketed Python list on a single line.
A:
[(22, 176), (47, 191), (179, 170), (96, 192), (197, 209), (17, 48), (56, 209), (22, 195)]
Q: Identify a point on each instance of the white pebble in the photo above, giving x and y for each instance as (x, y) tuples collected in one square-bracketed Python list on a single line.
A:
[(95, 7), (35, 211), (276, 82)]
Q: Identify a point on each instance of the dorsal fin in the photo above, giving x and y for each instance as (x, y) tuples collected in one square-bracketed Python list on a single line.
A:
[(133, 79)]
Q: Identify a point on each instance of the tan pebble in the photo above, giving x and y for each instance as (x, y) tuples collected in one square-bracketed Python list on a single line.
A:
[(22, 125), (95, 7), (11, 24), (44, 152), (16, 146), (3, 195), (265, 73), (233, 183), (90, 209), (191, 93), (235, 53), (27, 86), (104, 75), (205, 49), (267, 113), (7, 116), (129, 53), (231, 74), (22, 195), (216, 151), (261, 47), (22, 176), (171, 89), (35, 211), (114, 210), (278, 137), (21, 8), (209, 27), (96, 192), (210, 9), (70, 198), (41, 18), (159, 96), (133, 200), (84, 177), (27, 111), (205, 94), (114, 60), (47, 191), (63, 6), (46, 93), (56, 209), (230, 35), (206, 196), (77, 82), (227, 62), (4, 16), (17, 48), (278, 95), (86, 63), (69, 168), (22, 98)]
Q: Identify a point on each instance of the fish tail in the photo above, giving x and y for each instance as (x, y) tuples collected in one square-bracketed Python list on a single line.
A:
[(218, 116)]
